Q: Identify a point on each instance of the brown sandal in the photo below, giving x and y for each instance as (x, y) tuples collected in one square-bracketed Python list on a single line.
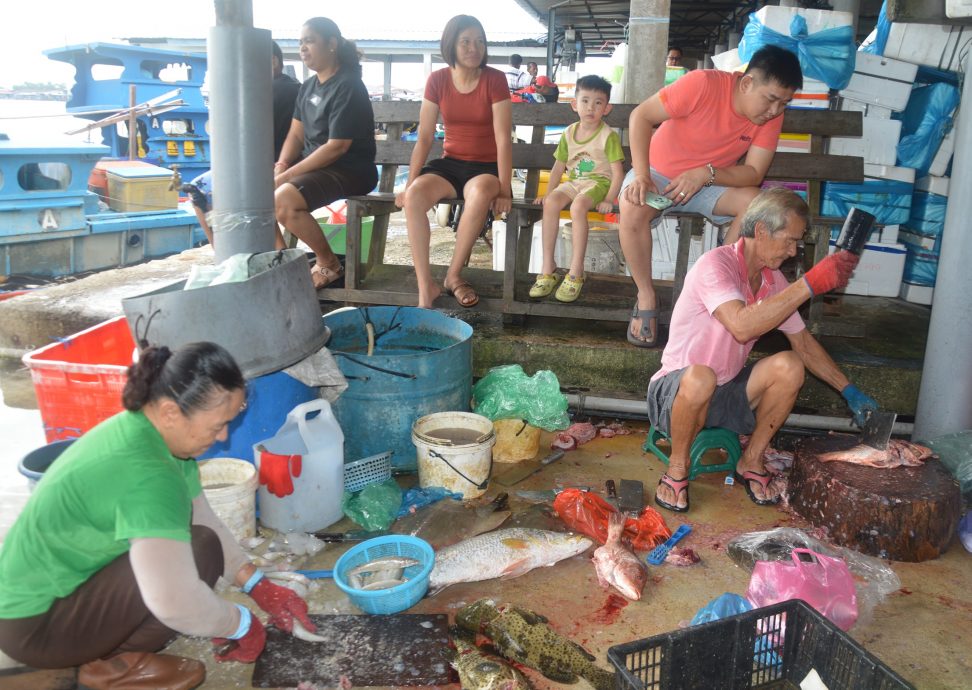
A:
[(464, 293), (322, 276)]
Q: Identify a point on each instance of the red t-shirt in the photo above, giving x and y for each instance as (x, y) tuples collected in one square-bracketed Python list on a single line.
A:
[(468, 117), (703, 127)]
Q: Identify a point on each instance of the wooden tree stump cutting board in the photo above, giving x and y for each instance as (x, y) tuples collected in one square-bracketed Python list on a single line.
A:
[(902, 514)]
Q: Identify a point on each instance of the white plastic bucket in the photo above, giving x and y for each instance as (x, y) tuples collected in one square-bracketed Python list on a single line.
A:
[(603, 253), (454, 451), (230, 486)]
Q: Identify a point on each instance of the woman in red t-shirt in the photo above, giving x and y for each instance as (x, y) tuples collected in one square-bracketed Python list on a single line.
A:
[(474, 101)]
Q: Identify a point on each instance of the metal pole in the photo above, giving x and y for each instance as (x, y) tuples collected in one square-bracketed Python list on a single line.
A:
[(644, 73), (132, 125), (241, 118), (551, 37), (945, 396)]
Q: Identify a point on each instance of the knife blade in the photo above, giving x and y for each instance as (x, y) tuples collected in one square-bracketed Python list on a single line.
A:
[(877, 429), (631, 496), (354, 535), (521, 471)]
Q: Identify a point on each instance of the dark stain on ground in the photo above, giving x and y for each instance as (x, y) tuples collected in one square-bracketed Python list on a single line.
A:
[(955, 603), (609, 613)]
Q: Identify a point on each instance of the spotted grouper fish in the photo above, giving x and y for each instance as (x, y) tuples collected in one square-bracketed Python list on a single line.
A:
[(481, 671), (616, 566), (898, 453), (525, 637), (503, 553)]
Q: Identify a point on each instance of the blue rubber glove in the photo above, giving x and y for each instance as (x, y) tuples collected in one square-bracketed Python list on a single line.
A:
[(859, 403)]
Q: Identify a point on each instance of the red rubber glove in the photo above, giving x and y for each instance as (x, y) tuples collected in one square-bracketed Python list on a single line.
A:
[(832, 272), (282, 604), (276, 470), (246, 649)]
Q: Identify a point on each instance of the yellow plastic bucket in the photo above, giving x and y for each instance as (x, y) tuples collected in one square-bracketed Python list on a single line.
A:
[(516, 440)]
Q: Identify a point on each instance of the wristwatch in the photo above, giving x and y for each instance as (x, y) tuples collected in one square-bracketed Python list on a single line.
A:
[(711, 175)]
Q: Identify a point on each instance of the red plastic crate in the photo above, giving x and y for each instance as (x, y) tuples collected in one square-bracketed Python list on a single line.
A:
[(79, 380)]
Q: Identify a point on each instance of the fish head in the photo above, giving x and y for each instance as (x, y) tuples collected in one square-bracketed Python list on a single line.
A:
[(477, 615)]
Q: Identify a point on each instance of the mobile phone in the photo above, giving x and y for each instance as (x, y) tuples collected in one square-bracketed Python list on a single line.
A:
[(658, 201)]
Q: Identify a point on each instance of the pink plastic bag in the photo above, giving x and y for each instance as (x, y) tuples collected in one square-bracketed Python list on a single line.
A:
[(823, 582)]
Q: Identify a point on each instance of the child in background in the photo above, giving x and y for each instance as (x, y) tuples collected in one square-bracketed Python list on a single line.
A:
[(590, 152)]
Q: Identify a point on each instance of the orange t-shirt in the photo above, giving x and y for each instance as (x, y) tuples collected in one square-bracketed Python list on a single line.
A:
[(468, 117), (703, 127)]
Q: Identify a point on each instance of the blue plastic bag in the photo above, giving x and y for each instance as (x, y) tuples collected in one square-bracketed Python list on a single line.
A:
[(418, 497), (876, 47), (925, 121), (921, 266), (889, 201), (828, 56), (724, 605), (927, 215)]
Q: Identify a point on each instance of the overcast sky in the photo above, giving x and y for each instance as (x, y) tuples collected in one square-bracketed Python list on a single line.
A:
[(32, 26)]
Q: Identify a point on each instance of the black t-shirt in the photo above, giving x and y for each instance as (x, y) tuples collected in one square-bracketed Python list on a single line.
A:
[(340, 109), (285, 89)]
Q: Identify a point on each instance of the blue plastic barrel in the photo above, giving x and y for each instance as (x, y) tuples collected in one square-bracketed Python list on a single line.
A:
[(422, 363), (269, 398)]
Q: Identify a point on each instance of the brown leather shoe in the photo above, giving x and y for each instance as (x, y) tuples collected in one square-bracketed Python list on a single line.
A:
[(142, 671)]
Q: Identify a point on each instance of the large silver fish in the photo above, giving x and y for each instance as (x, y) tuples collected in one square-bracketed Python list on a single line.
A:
[(616, 566), (898, 453), (505, 553)]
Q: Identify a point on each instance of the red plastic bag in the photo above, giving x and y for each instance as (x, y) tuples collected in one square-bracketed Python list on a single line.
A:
[(823, 582), (588, 513)]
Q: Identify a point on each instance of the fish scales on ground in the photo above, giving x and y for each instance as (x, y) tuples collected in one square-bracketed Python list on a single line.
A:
[(481, 671), (524, 636), (898, 453), (616, 566), (504, 553)]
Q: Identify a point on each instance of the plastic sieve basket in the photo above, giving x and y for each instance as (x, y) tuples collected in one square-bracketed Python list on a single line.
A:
[(394, 599), (361, 473)]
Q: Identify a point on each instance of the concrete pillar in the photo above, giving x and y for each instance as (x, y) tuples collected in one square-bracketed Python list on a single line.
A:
[(644, 72), (789, 3), (734, 37), (387, 79), (707, 62), (241, 116), (945, 396), (720, 48), (852, 6)]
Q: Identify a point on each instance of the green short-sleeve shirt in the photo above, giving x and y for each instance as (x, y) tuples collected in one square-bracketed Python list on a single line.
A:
[(591, 158), (117, 482)]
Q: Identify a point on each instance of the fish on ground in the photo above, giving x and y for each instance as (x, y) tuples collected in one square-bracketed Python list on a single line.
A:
[(449, 522), (898, 453), (616, 565), (504, 553), (481, 671), (524, 636)]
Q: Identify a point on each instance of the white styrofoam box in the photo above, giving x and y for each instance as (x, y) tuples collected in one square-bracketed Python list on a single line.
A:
[(878, 273), (778, 19), (881, 81), (728, 61), (878, 146), (933, 185), (889, 172), (536, 247), (933, 45), (917, 294), (793, 143), (958, 9), (814, 86), (889, 234), (809, 103), (943, 157), (868, 109)]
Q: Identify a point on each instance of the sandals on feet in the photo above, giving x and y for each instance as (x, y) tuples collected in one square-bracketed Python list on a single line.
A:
[(678, 486), (645, 337), (322, 276), (763, 479), (569, 290), (544, 284), (464, 293)]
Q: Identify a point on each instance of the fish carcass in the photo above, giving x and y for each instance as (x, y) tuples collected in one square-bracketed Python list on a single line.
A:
[(616, 566), (481, 671), (505, 553), (898, 453), (524, 636)]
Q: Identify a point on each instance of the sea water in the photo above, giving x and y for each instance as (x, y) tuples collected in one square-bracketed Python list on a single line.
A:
[(42, 123)]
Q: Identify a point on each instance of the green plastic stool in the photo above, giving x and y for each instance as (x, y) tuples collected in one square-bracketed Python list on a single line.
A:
[(708, 438)]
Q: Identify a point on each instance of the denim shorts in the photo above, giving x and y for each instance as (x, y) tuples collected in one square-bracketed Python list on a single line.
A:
[(703, 202), (729, 407)]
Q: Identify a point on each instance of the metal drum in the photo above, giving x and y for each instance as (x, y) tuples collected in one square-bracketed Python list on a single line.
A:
[(421, 364)]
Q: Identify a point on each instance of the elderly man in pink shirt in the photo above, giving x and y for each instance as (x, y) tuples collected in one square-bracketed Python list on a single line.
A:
[(732, 296)]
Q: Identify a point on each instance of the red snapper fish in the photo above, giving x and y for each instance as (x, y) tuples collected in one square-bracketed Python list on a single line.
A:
[(616, 565), (898, 453)]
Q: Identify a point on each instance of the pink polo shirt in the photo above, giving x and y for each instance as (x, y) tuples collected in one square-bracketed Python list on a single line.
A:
[(695, 335)]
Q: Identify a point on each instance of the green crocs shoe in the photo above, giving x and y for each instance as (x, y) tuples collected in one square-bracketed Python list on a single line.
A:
[(544, 284), (569, 290)]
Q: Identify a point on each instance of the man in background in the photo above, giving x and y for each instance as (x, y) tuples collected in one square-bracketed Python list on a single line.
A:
[(285, 89), (516, 78), (674, 57), (533, 70), (547, 88)]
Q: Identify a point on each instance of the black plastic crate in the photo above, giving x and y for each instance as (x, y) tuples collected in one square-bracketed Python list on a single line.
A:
[(770, 647)]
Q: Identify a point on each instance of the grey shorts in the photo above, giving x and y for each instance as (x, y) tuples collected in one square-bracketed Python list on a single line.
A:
[(729, 407), (703, 202)]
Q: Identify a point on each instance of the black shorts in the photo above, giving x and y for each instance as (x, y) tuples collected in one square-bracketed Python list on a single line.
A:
[(729, 407), (457, 172), (322, 186)]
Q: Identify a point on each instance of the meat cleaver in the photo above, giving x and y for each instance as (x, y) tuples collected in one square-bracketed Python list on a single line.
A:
[(522, 470), (877, 429)]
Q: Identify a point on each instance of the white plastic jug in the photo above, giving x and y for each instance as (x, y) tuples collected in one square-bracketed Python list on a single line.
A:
[(316, 500)]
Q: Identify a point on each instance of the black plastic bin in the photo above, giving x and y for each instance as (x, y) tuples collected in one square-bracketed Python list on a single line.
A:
[(770, 647)]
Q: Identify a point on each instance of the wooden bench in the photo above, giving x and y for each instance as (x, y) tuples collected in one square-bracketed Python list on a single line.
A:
[(605, 297)]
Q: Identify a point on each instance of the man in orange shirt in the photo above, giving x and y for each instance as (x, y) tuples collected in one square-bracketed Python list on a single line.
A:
[(707, 121)]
